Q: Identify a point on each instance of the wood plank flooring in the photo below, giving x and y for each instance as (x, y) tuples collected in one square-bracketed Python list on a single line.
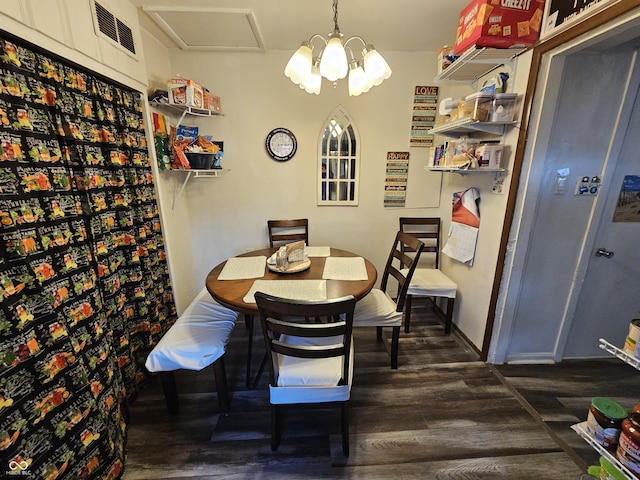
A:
[(442, 415)]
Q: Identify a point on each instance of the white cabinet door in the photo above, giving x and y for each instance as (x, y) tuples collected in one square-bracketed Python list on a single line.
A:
[(50, 18), (14, 9)]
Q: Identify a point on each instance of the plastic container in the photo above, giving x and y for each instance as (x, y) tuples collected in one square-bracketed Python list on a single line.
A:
[(633, 338), (200, 161), (477, 106), (489, 156), (604, 422), (628, 452), (609, 471), (503, 107)]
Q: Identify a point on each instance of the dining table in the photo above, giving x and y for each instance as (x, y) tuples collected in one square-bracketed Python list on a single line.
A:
[(325, 273)]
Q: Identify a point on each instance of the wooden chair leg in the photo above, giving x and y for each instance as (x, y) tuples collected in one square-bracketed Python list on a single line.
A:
[(449, 315), (345, 428), (407, 314), (395, 339), (170, 392), (221, 384), (379, 333), (275, 427), (248, 320)]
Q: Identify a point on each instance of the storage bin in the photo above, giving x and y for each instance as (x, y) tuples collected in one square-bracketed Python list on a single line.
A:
[(477, 106), (504, 107), (489, 156), (200, 161)]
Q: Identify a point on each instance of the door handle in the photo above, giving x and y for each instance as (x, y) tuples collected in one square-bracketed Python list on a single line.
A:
[(601, 252)]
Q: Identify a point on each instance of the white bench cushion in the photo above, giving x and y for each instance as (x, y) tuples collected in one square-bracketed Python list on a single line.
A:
[(197, 339), (431, 282), (376, 309)]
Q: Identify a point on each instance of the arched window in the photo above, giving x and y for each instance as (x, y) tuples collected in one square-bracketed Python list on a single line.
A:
[(338, 160)]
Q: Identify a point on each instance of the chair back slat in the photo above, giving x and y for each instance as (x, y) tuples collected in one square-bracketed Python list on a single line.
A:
[(406, 263), (426, 229), (285, 231)]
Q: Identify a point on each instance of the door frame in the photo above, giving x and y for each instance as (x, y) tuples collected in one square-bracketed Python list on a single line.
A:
[(520, 210)]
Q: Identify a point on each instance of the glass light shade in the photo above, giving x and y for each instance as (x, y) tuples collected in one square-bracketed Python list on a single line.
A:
[(299, 66), (357, 81), (376, 67), (313, 82), (334, 65)]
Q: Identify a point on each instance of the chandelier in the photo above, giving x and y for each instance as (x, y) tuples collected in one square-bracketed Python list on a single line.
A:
[(367, 70)]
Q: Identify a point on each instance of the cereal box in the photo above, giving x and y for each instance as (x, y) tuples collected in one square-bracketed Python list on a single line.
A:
[(499, 23), (185, 92)]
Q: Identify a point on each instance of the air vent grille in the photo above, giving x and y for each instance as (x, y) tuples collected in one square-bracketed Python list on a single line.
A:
[(125, 36), (114, 28)]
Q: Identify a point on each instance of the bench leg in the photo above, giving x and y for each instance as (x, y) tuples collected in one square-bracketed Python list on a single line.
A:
[(170, 392), (221, 384)]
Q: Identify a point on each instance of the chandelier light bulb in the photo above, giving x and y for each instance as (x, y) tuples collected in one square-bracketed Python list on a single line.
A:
[(333, 63), (375, 66), (299, 66), (313, 83), (357, 81)]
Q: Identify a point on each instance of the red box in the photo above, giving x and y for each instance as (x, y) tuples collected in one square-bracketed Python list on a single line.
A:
[(499, 23)]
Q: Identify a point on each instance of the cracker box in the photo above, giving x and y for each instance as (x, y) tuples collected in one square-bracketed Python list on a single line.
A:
[(185, 92), (499, 23)]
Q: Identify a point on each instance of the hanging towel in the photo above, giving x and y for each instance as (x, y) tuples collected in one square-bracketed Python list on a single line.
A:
[(465, 224)]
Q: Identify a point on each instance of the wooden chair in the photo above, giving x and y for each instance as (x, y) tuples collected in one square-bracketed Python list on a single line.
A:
[(310, 352), (378, 308), (196, 340), (286, 231), (428, 281)]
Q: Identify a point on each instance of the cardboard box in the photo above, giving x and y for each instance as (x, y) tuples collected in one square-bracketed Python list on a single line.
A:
[(213, 102), (185, 92), (499, 23)]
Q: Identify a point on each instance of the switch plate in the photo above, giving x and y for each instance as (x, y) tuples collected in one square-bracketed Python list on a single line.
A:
[(588, 185)]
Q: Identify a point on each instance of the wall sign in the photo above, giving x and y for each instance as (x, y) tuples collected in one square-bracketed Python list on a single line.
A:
[(562, 14), (423, 117), (395, 184)]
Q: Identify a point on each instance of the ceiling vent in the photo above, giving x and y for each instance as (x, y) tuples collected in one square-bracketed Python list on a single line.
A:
[(113, 28)]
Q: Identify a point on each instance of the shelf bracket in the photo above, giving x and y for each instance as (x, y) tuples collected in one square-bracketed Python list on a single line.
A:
[(177, 196)]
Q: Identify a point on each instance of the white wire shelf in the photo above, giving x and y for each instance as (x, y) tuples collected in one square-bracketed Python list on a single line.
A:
[(469, 125), (463, 171), (581, 429), (477, 62), (620, 353)]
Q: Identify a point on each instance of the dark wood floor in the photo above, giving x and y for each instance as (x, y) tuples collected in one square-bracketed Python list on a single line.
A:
[(442, 415)]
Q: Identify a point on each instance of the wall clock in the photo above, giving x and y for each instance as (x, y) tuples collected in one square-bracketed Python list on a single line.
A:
[(281, 144)]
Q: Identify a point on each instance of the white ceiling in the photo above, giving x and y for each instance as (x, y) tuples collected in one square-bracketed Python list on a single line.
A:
[(259, 25)]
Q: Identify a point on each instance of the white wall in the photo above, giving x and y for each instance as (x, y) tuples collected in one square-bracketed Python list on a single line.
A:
[(228, 215)]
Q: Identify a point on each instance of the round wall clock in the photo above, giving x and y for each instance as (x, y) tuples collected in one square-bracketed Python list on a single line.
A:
[(281, 144)]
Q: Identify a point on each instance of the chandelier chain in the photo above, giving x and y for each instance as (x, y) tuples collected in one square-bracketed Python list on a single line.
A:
[(335, 15)]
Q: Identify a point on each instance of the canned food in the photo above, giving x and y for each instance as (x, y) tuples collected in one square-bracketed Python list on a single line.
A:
[(628, 452), (604, 422)]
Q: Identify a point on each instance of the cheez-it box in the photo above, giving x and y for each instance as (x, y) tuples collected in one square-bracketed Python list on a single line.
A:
[(499, 23)]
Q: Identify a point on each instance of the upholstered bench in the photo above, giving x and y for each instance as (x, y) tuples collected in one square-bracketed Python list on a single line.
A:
[(196, 340)]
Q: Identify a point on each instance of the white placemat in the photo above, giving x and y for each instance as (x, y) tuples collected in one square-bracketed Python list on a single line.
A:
[(344, 268), (238, 268), (318, 251), (313, 290)]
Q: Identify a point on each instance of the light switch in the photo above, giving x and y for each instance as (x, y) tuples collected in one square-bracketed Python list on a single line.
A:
[(588, 185)]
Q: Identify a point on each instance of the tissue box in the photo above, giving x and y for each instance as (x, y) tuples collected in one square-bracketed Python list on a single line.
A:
[(185, 92), (499, 23)]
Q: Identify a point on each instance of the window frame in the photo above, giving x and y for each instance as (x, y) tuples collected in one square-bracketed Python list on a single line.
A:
[(339, 186)]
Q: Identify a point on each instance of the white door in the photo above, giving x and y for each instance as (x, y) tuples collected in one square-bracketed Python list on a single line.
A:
[(610, 294)]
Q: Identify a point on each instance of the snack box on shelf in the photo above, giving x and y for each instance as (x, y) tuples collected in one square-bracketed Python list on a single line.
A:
[(185, 92), (499, 24)]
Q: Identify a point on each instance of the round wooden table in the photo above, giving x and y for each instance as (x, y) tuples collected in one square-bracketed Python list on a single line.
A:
[(230, 293)]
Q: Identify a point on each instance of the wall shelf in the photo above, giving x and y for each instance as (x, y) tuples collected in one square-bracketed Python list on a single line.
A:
[(184, 110), (464, 171), (211, 173), (468, 125), (477, 62)]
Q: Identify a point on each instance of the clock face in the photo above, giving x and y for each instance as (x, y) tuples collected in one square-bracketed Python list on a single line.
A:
[(281, 144)]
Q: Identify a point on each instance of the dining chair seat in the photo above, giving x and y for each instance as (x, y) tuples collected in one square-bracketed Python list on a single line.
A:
[(377, 308), (432, 282), (323, 374)]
